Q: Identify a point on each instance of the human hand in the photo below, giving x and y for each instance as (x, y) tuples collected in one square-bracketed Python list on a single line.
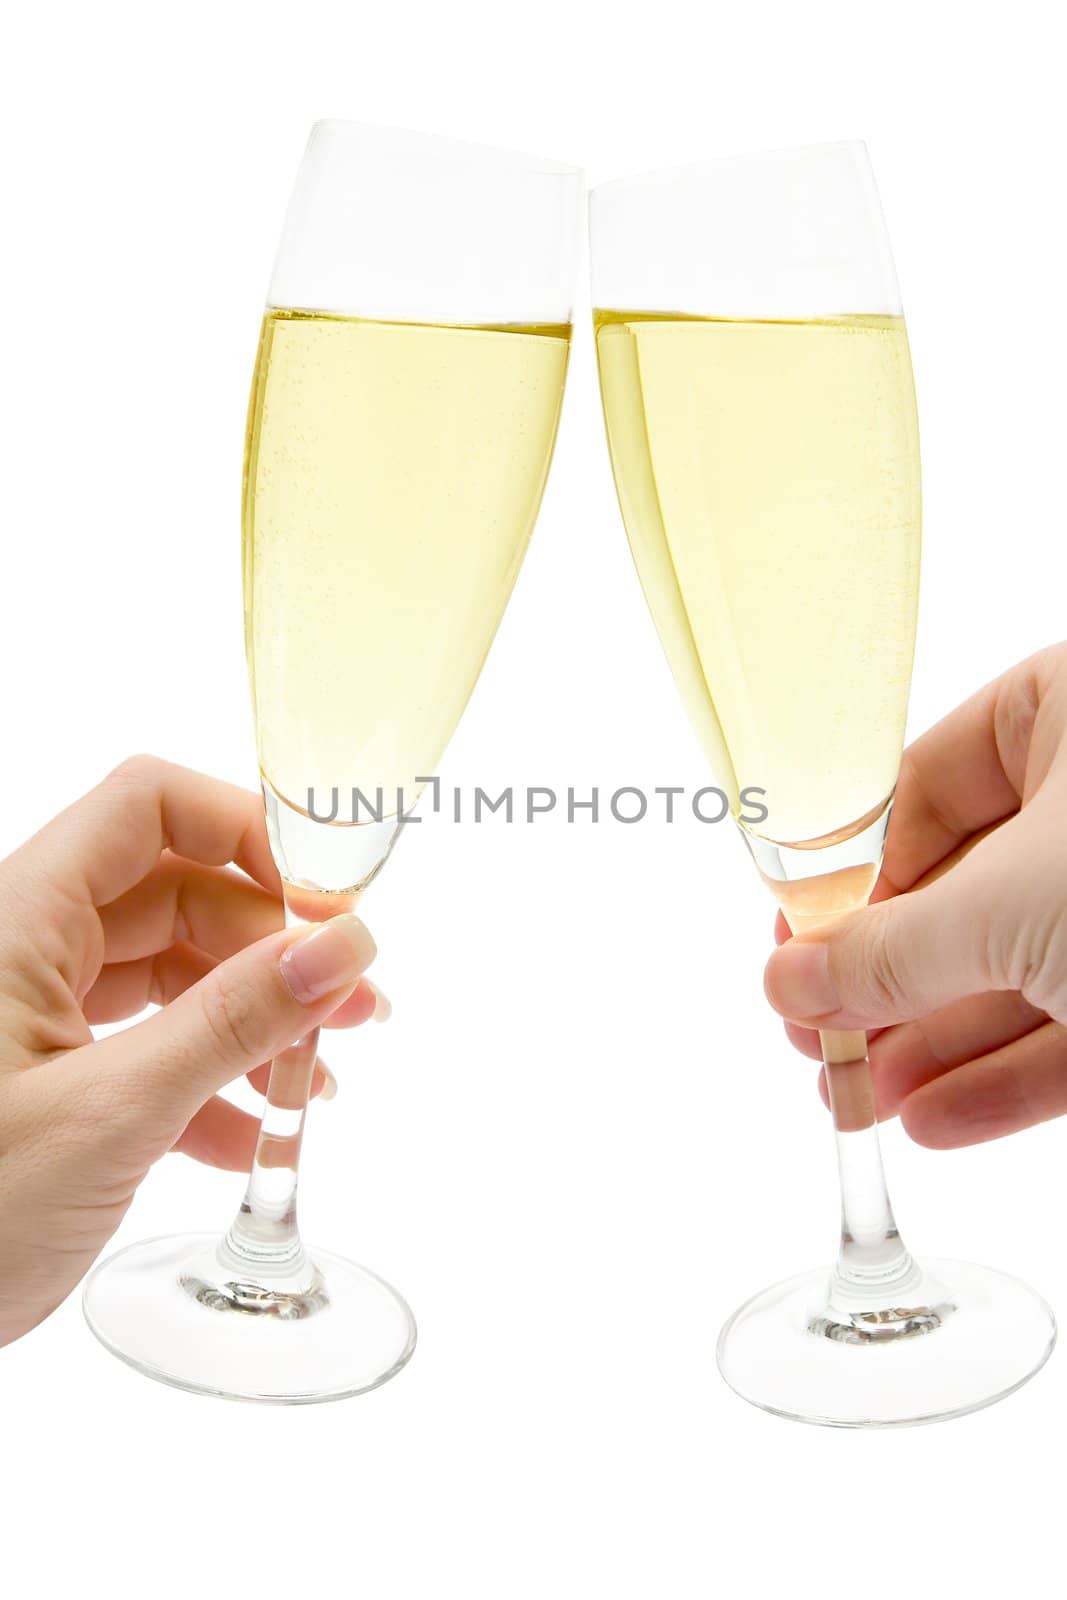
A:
[(961, 964), (124, 900)]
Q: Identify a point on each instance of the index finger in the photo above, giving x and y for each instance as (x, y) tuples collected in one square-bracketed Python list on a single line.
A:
[(111, 838)]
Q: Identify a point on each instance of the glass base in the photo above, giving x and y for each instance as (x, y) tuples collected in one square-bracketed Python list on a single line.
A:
[(786, 1351), (169, 1308)]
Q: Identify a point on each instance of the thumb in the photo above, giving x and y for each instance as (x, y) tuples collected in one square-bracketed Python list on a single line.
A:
[(242, 1013), (890, 962)]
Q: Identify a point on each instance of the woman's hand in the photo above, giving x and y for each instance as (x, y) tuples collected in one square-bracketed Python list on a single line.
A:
[(962, 963), (126, 899)]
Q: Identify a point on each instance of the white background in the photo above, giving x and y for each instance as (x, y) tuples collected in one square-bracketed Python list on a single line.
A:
[(582, 1139)]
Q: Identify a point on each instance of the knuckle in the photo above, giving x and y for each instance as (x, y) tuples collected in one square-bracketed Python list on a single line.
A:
[(883, 977), (1022, 926), (233, 1009), (1005, 953), (134, 772), (1030, 955)]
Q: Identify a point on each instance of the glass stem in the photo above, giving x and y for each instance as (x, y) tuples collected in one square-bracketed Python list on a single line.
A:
[(264, 1239), (263, 1246), (873, 1263)]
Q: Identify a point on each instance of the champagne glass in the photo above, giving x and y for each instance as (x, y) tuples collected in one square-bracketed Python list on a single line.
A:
[(402, 420), (760, 413)]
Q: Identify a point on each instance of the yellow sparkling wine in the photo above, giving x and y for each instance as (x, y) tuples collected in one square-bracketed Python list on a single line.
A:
[(393, 472), (768, 475)]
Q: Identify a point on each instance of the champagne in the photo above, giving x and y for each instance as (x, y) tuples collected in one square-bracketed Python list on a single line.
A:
[(768, 475), (393, 472)]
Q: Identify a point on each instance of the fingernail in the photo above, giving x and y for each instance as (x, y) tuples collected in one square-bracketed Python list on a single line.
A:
[(329, 1083), (330, 957), (798, 981), (383, 1009)]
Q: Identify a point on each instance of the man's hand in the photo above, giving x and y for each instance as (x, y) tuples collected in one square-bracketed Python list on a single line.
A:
[(961, 964)]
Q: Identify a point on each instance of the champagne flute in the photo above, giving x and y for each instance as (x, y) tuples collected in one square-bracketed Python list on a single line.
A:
[(760, 412), (401, 424)]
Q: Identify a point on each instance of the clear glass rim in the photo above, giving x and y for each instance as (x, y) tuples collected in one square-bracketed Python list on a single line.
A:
[(742, 158), (416, 138)]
